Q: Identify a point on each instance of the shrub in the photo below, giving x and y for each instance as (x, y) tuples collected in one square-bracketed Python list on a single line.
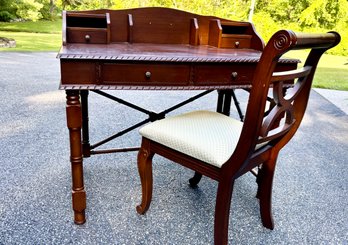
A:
[(6, 16), (28, 10)]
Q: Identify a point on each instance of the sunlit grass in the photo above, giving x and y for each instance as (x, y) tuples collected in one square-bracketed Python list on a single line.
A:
[(332, 71), (26, 41), (331, 78), (43, 26)]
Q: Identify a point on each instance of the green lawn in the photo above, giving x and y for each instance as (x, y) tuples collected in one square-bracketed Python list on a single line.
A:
[(43, 26), (331, 78), (26, 41), (332, 72), (33, 36)]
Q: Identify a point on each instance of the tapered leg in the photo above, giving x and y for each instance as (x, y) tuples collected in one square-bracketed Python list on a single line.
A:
[(265, 192), (145, 171), (195, 179), (222, 211), (73, 114)]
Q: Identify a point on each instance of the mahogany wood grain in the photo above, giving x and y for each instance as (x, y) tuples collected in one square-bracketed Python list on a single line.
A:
[(167, 26), (258, 128), (152, 49), (73, 114)]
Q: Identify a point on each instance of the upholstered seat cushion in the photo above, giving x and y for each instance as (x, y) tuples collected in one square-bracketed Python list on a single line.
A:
[(208, 136)]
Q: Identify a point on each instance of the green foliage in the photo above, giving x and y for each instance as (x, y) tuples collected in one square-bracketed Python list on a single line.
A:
[(237, 10), (5, 5), (6, 16), (304, 16), (28, 9), (49, 10), (283, 11), (324, 13)]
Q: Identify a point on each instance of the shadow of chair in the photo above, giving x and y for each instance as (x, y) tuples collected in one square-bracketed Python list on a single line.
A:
[(223, 148)]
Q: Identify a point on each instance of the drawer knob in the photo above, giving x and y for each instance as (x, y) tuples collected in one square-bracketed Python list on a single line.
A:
[(87, 38), (234, 74), (147, 74), (236, 44)]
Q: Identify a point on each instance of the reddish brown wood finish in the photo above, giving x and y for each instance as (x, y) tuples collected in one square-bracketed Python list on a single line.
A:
[(147, 48), (171, 65), (258, 128), (73, 114)]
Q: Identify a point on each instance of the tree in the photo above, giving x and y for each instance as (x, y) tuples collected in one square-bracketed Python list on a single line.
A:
[(28, 9), (324, 13)]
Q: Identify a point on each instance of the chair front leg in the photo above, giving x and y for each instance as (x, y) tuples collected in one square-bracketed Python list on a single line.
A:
[(265, 191), (145, 172), (222, 211)]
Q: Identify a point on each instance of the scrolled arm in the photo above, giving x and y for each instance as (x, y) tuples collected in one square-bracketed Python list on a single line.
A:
[(324, 40)]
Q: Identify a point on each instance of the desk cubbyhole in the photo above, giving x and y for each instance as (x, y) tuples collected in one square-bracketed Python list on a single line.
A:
[(223, 34), (87, 28)]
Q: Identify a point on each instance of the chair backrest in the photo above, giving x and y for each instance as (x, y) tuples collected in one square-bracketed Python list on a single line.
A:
[(277, 127)]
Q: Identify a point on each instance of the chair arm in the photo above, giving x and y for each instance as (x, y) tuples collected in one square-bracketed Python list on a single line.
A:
[(325, 40)]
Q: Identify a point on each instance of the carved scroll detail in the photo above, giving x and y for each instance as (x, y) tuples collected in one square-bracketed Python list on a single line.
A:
[(281, 41)]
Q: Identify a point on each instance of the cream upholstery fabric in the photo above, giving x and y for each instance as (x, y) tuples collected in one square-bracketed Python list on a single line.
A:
[(205, 135)]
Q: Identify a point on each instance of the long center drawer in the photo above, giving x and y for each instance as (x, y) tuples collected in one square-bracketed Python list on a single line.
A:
[(157, 74)]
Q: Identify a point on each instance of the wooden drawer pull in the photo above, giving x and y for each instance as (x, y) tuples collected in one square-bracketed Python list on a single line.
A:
[(87, 38), (236, 44)]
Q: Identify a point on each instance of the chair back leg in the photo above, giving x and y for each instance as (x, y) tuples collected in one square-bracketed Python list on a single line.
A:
[(264, 192)]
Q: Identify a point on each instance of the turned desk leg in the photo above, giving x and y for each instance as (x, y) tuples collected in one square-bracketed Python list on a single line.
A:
[(74, 121), (86, 147)]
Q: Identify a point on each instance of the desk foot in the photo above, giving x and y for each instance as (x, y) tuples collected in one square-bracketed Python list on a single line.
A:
[(79, 217)]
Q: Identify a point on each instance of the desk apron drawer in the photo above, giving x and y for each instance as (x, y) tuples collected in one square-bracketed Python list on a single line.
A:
[(145, 74), (233, 74), (78, 72)]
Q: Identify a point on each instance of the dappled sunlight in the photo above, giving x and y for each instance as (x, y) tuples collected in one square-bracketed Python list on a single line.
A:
[(38, 105), (311, 120), (13, 127), (46, 99)]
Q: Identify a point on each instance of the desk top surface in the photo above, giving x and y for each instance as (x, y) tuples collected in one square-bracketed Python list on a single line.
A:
[(160, 52)]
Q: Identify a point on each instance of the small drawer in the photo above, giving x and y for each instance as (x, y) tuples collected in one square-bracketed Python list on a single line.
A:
[(145, 74), (77, 72), (87, 35), (235, 41), (237, 74)]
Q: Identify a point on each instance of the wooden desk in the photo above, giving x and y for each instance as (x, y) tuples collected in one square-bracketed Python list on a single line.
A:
[(148, 49)]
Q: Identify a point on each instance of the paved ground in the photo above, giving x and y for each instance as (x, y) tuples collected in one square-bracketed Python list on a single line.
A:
[(338, 98), (310, 200)]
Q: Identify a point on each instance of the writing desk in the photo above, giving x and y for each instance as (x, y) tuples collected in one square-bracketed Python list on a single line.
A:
[(148, 49)]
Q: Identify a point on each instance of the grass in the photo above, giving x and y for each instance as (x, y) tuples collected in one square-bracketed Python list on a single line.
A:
[(33, 36), (332, 71), (44, 26), (26, 41)]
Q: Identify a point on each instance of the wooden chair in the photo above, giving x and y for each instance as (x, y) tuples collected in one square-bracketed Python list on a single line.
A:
[(223, 148)]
